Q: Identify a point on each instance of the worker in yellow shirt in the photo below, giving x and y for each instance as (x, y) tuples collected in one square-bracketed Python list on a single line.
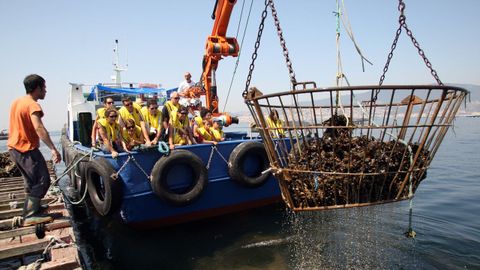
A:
[(275, 125), (153, 117), (181, 133), (109, 131), (132, 135), (217, 131), (131, 111), (206, 133), (107, 104)]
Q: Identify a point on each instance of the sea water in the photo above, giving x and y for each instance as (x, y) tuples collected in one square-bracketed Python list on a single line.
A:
[(446, 219)]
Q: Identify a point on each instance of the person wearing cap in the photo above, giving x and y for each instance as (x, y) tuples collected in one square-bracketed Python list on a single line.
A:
[(181, 133), (153, 118), (217, 131)]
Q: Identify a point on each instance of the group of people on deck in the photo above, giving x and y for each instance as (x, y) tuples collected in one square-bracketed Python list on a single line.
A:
[(132, 125)]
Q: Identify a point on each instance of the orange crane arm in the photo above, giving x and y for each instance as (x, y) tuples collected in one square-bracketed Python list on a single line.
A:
[(218, 45)]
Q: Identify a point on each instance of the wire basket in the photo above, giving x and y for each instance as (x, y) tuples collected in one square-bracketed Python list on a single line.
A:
[(352, 146)]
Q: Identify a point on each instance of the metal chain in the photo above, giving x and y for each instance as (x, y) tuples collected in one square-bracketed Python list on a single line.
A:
[(257, 45), (140, 167), (401, 20), (291, 73)]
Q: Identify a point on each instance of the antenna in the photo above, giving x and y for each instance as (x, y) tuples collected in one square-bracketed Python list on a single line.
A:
[(116, 64)]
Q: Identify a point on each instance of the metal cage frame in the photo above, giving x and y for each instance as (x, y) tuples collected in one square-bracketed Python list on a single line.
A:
[(365, 130)]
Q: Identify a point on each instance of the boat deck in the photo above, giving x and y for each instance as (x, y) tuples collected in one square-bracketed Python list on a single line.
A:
[(19, 246)]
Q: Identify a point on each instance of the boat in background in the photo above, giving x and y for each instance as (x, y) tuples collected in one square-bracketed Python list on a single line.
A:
[(4, 135)]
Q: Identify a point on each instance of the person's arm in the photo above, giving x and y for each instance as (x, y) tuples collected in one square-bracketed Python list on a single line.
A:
[(145, 133), (107, 142), (170, 139), (43, 134), (94, 133)]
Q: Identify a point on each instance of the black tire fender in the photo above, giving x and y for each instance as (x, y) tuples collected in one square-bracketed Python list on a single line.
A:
[(78, 173), (165, 164), (104, 191), (236, 161)]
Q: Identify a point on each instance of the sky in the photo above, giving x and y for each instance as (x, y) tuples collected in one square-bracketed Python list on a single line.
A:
[(73, 41)]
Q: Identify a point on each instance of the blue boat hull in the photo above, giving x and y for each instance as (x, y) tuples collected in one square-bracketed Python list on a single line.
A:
[(141, 207)]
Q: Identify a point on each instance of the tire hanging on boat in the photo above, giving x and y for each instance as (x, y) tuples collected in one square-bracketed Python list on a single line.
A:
[(244, 151), (105, 192), (179, 159), (77, 174)]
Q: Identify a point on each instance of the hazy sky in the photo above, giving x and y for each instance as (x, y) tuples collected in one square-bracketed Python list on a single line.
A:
[(72, 41)]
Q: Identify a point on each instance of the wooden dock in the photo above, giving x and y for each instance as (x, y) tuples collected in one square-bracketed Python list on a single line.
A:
[(20, 247)]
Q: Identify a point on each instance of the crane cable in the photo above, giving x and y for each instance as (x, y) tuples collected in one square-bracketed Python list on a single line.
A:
[(240, 49)]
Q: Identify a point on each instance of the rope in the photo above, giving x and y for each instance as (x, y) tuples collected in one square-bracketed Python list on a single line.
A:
[(163, 147), (70, 167), (17, 221)]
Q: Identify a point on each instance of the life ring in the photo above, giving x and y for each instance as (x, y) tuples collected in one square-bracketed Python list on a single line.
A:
[(179, 178), (105, 192), (247, 162)]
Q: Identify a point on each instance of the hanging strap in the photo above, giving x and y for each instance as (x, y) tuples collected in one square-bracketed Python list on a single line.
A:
[(402, 24)]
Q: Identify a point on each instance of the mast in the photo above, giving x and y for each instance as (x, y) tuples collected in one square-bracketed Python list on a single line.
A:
[(117, 78)]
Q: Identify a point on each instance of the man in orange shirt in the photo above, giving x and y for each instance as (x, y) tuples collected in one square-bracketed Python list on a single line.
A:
[(25, 131)]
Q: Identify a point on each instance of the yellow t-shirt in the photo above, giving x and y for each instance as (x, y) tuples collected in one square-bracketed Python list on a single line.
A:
[(113, 130), (217, 134), (101, 113), (152, 121), (199, 121), (135, 115), (137, 135), (176, 124), (276, 124), (205, 134), (172, 109)]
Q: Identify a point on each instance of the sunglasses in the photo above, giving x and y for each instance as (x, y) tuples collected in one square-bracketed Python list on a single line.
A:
[(153, 108), (131, 127), (113, 116), (110, 102), (176, 98), (128, 104)]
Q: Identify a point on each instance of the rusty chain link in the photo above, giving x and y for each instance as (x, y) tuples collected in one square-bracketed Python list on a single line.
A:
[(257, 45), (402, 24), (291, 73)]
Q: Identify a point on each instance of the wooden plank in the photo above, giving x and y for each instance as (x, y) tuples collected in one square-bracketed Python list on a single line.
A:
[(18, 212), (8, 190), (19, 197), (6, 206), (30, 244), (62, 258), (56, 224)]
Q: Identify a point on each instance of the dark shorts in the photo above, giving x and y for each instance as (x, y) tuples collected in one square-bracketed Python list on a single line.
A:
[(35, 172)]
